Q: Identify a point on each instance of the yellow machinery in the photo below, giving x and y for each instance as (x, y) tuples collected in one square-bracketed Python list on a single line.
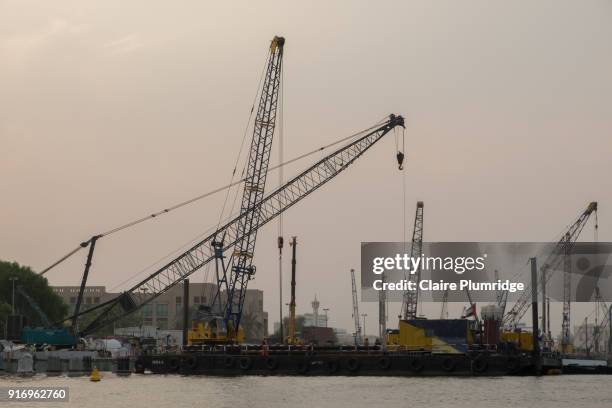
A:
[(412, 337), (211, 332), (522, 340), (443, 336)]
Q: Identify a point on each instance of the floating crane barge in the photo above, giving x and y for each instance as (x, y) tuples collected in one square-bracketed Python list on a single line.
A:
[(368, 361), (231, 249)]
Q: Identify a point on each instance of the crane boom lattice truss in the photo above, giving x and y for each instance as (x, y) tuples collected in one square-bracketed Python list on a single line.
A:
[(43, 316), (554, 260), (567, 294), (601, 324), (234, 275), (267, 209), (410, 299)]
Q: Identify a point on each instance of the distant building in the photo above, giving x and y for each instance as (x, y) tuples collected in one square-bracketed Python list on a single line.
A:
[(92, 295), (319, 335), (310, 320), (344, 337), (166, 311)]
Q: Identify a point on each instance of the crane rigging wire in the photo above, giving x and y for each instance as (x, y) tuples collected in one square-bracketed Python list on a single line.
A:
[(181, 248), (168, 255), (202, 196), (244, 135)]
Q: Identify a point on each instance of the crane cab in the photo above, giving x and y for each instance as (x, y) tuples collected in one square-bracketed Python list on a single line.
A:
[(210, 328)]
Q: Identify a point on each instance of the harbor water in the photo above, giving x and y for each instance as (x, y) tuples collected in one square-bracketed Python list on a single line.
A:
[(140, 391)]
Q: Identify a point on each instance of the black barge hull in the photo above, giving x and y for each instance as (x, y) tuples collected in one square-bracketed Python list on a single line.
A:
[(342, 364)]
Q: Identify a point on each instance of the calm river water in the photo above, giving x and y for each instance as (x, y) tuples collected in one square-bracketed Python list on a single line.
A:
[(340, 392)]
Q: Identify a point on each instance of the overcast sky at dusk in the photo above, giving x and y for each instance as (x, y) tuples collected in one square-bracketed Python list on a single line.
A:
[(110, 110)]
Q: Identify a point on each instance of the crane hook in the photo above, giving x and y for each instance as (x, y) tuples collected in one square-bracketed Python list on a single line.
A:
[(400, 160)]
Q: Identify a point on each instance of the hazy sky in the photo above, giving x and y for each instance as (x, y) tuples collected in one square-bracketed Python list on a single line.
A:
[(110, 110)]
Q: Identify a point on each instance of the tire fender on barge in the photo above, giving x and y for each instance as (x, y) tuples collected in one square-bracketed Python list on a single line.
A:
[(384, 363), (246, 363), (449, 364), (271, 363), (174, 364), (332, 366), (228, 362), (353, 364), (480, 364), (303, 366), (416, 364), (191, 362)]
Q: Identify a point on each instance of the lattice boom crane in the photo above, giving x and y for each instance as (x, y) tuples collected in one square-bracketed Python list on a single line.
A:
[(267, 209), (552, 262), (411, 298), (235, 274)]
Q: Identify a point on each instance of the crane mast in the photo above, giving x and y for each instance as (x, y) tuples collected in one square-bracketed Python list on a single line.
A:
[(601, 322), (358, 339), (205, 251), (411, 298), (559, 255), (501, 297), (291, 339), (567, 294), (239, 269)]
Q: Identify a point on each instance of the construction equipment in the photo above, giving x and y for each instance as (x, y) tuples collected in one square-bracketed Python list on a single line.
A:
[(553, 261), (501, 297), (77, 308), (208, 329), (280, 243), (382, 313), (48, 334), (357, 334), (210, 248), (449, 336), (256, 210), (236, 273), (567, 294), (291, 339), (602, 323), (411, 298)]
